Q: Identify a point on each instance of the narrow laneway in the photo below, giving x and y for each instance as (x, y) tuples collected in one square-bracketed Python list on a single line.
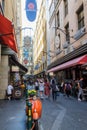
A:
[(12, 115)]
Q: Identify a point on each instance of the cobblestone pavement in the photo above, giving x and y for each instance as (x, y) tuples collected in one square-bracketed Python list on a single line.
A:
[(12, 115), (63, 114)]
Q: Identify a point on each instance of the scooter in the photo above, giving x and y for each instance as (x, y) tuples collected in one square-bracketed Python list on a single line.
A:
[(33, 112)]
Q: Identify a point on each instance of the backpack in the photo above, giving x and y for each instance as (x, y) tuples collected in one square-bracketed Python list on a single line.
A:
[(68, 87), (54, 87)]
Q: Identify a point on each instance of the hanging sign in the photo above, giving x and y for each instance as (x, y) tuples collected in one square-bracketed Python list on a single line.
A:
[(25, 61), (31, 10)]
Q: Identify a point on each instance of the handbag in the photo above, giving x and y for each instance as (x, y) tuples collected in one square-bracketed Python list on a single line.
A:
[(57, 89)]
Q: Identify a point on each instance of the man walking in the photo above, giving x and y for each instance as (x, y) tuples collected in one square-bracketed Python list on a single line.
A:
[(80, 91), (9, 91)]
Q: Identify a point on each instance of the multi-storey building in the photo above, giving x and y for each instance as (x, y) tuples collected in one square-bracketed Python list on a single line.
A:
[(68, 38), (9, 64), (40, 48)]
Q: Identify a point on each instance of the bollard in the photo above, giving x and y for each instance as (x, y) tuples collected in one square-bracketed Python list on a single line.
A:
[(26, 93), (29, 119), (27, 97)]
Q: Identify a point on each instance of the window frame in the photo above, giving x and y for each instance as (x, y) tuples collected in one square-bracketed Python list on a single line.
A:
[(66, 7), (67, 33), (80, 17)]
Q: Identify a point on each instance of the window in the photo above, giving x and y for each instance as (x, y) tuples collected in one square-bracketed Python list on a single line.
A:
[(58, 19), (2, 6), (80, 15), (66, 6), (67, 33), (59, 42)]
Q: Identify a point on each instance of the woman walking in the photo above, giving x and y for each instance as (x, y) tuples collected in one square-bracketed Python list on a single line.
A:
[(41, 89), (47, 88)]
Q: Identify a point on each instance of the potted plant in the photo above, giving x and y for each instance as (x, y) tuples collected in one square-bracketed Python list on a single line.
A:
[(31, 93)]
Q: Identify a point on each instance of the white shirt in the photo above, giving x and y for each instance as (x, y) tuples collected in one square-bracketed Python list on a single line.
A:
[(30, 87), (41, 86), (36, 83), (9, 89)]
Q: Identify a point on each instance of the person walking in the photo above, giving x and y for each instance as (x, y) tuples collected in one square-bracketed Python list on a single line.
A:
[(54, 90), (22, 86), (52, 79), (10, 91), (80, 91), (36, 86), (47, 88), (68, 88), (41, 89), (62, 87)]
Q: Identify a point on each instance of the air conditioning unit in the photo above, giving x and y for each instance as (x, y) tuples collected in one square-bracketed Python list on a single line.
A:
[(79, 33), (70, 48), (57, 51), (65, 45), (65, 51), (84, 42)]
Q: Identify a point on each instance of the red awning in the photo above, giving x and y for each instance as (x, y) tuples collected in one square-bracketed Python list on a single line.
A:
[(7, 33), (77, 61)]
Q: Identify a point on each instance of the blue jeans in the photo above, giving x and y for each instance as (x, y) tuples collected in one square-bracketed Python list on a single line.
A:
[(54, 95)]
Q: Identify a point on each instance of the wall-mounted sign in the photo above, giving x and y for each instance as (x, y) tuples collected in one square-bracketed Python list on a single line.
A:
[(15, 69), (57, 41), (31, 9), (17, 93)]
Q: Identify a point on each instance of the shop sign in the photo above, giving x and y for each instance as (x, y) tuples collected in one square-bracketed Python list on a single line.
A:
[(15, 68), (17, 93), (57, 41)]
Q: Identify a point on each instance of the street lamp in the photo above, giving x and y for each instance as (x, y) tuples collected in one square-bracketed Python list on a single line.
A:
[(24, 28)]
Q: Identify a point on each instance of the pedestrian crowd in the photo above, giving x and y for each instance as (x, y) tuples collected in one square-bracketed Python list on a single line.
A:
[(74, 88), (46, 88), (42, 87)]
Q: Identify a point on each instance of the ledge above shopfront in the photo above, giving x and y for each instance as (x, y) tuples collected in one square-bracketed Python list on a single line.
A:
[(13, 61), (17, 66), (77, 61)]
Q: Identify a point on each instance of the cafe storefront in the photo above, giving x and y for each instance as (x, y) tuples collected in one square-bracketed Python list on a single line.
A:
[(69, 66)]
